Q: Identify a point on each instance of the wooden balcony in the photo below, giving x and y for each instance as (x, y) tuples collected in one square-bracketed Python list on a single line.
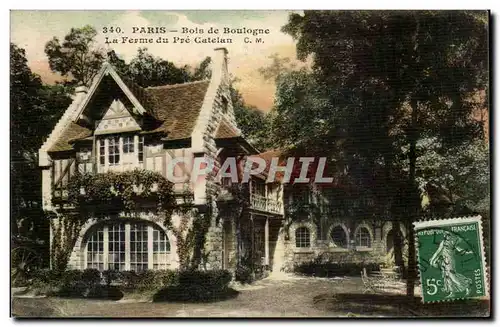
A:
[(261, 203)]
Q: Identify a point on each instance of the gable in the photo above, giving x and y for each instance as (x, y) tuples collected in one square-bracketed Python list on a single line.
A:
[(116, 119), (107, 72), (114, 104)]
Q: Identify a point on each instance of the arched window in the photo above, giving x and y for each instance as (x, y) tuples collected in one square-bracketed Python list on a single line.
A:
[(362, 237), (339, 237), (127, 246), (302, 237)]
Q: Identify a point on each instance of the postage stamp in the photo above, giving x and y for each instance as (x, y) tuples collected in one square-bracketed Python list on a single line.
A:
[(451, 259)]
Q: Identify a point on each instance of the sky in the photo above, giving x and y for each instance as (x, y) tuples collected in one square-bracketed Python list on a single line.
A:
[(32, 29)]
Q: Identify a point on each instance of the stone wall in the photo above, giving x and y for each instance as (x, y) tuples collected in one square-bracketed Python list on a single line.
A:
[(287, 254), (217, 107)]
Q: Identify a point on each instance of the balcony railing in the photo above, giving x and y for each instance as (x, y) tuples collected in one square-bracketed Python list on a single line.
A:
[(261, 203)]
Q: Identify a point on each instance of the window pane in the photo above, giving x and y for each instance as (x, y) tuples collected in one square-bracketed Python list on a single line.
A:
[(363, 237), (116, 246), (339, 236), (302, 237), (141, 149), (95, 246), (128, 144), (161, 248), (139, 246)]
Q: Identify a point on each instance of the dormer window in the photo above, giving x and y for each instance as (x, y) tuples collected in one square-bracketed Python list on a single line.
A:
[(122, 151)]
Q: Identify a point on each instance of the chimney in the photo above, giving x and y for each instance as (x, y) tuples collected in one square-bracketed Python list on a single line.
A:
[(219, 65)]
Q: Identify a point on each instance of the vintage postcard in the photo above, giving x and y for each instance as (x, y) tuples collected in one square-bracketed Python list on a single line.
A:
[(250, 163)]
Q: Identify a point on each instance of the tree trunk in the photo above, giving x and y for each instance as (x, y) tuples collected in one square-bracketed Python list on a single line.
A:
[(398, 245), (396, 226), (413, 200)]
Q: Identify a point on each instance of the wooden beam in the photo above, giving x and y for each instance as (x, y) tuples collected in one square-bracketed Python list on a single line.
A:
[(266, 242)]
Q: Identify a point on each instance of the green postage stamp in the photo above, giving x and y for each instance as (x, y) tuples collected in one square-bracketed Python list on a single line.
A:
[(451, 259)]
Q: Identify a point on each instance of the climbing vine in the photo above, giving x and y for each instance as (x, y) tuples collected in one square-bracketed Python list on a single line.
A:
[(99, 195), (65, 231)]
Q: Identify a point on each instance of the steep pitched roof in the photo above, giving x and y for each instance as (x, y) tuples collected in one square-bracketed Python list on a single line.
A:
[(225, 131), (71, 133), (177, 106)]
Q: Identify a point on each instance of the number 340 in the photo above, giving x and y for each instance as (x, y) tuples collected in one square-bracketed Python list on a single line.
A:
[(432, 285)]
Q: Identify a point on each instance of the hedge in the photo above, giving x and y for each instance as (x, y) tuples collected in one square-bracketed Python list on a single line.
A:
[(198, 286), (194, 285), (333, 269)]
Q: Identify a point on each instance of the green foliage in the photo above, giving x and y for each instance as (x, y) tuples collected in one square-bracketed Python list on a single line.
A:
[(460, 175), (254, 123), (78, 56), (69, 283), (386, 79), (179, 285), (203, 70), (34, 109), (142, 281), (147, 70), (244, 274), (65, 231), (98, 195), (197, 286)]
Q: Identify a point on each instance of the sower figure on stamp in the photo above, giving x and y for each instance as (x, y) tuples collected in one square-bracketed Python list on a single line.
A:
[(445, 259)]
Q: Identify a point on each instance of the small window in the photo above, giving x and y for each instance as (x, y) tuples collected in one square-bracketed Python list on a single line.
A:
[(141, 149), (339, 236), (224, 104), (102, 153), (258, 187), (226, 182), (362, 237), (114, 150), (302, 237), (128, 144)]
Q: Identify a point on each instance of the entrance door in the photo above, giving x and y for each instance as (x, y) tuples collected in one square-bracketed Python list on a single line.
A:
[(227, 239)]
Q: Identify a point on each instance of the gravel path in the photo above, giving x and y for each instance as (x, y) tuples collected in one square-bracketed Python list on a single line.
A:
[(275, 296), (284, 296)]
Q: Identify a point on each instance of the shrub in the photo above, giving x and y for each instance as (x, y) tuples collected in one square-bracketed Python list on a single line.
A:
[(197, 286), (91, 277), (244, 275), (332, 269), (185, 285)]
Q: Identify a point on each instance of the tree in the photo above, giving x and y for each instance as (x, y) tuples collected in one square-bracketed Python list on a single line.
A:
[(147, 70), (203, 70), (458, 176), (78, 56), (35, 108), (393, 78), (252, 121)]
